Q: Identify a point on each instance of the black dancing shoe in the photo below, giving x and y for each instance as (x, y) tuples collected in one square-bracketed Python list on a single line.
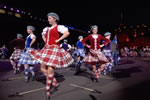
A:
[(92, 78), (96, 80), (48, 97), (54, 89), (17, 71), (33, 78), (26, 80), (76, 73)]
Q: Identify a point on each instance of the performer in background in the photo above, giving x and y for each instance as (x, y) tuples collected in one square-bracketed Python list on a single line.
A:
[(25, 58), (18, 46), (4, 52), (107, 50), (78, 55), (95, 55), (52, 56), (66, 46)]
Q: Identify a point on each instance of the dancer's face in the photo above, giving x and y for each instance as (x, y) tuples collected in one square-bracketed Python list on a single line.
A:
[(29, 31), (51, 20), (108, 37), (95, 30), (81, 39)]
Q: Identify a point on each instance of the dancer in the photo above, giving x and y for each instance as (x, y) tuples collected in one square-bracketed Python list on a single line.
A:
[(107, 50), (18, 45), (78, 55), (4, 52), (52, 56), (95, 55), (65, 45), (25, 58)]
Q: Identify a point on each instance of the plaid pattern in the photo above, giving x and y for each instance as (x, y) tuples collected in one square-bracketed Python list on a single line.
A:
[(16, 54), (108, 66), (79, 52), (53, 56), (95, 56), (26, 59), (108, 54)]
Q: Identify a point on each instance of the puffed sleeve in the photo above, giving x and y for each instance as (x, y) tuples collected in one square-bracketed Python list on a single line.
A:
[(44, 31), (33, 36), (62, 29)]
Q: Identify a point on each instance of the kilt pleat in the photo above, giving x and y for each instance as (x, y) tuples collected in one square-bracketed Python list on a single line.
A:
[(95, 56), (16, 54), (53, 56), (25, 58)]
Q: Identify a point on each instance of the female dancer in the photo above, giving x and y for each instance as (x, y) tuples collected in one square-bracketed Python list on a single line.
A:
[(25, 57), (95, 55), (52, 56)]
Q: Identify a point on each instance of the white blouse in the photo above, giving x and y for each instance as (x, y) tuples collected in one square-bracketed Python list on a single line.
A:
[(61, 28), (32, 36)]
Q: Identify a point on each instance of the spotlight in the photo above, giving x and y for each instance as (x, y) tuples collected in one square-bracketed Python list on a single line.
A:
[(5, 7), (11, 9), (18, 10)]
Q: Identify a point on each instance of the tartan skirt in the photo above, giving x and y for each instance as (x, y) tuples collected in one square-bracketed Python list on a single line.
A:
[(94, 57), (16, 54), (52, 55), (108, 54), (25, 58), (79, 52)]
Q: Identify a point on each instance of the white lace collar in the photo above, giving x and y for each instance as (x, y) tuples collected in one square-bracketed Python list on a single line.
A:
[(95, 36)]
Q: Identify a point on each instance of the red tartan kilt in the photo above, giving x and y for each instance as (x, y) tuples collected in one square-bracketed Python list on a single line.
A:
[(16, 54), (95, 56), (52, 56)]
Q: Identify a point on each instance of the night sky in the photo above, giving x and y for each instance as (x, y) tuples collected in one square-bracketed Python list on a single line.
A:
[(85, 13), (82, 15)]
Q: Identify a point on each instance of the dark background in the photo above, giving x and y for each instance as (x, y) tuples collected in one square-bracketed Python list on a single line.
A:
[(78, 14)]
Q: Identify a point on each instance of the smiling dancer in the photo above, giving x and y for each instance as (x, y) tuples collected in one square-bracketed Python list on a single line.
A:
[(95, 55), (52, 56)]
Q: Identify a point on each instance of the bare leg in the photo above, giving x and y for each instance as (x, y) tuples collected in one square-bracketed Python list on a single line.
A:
[(94, 68), (18, 67), (100, 69), (95, 73), (44, 69), (14, 66)]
